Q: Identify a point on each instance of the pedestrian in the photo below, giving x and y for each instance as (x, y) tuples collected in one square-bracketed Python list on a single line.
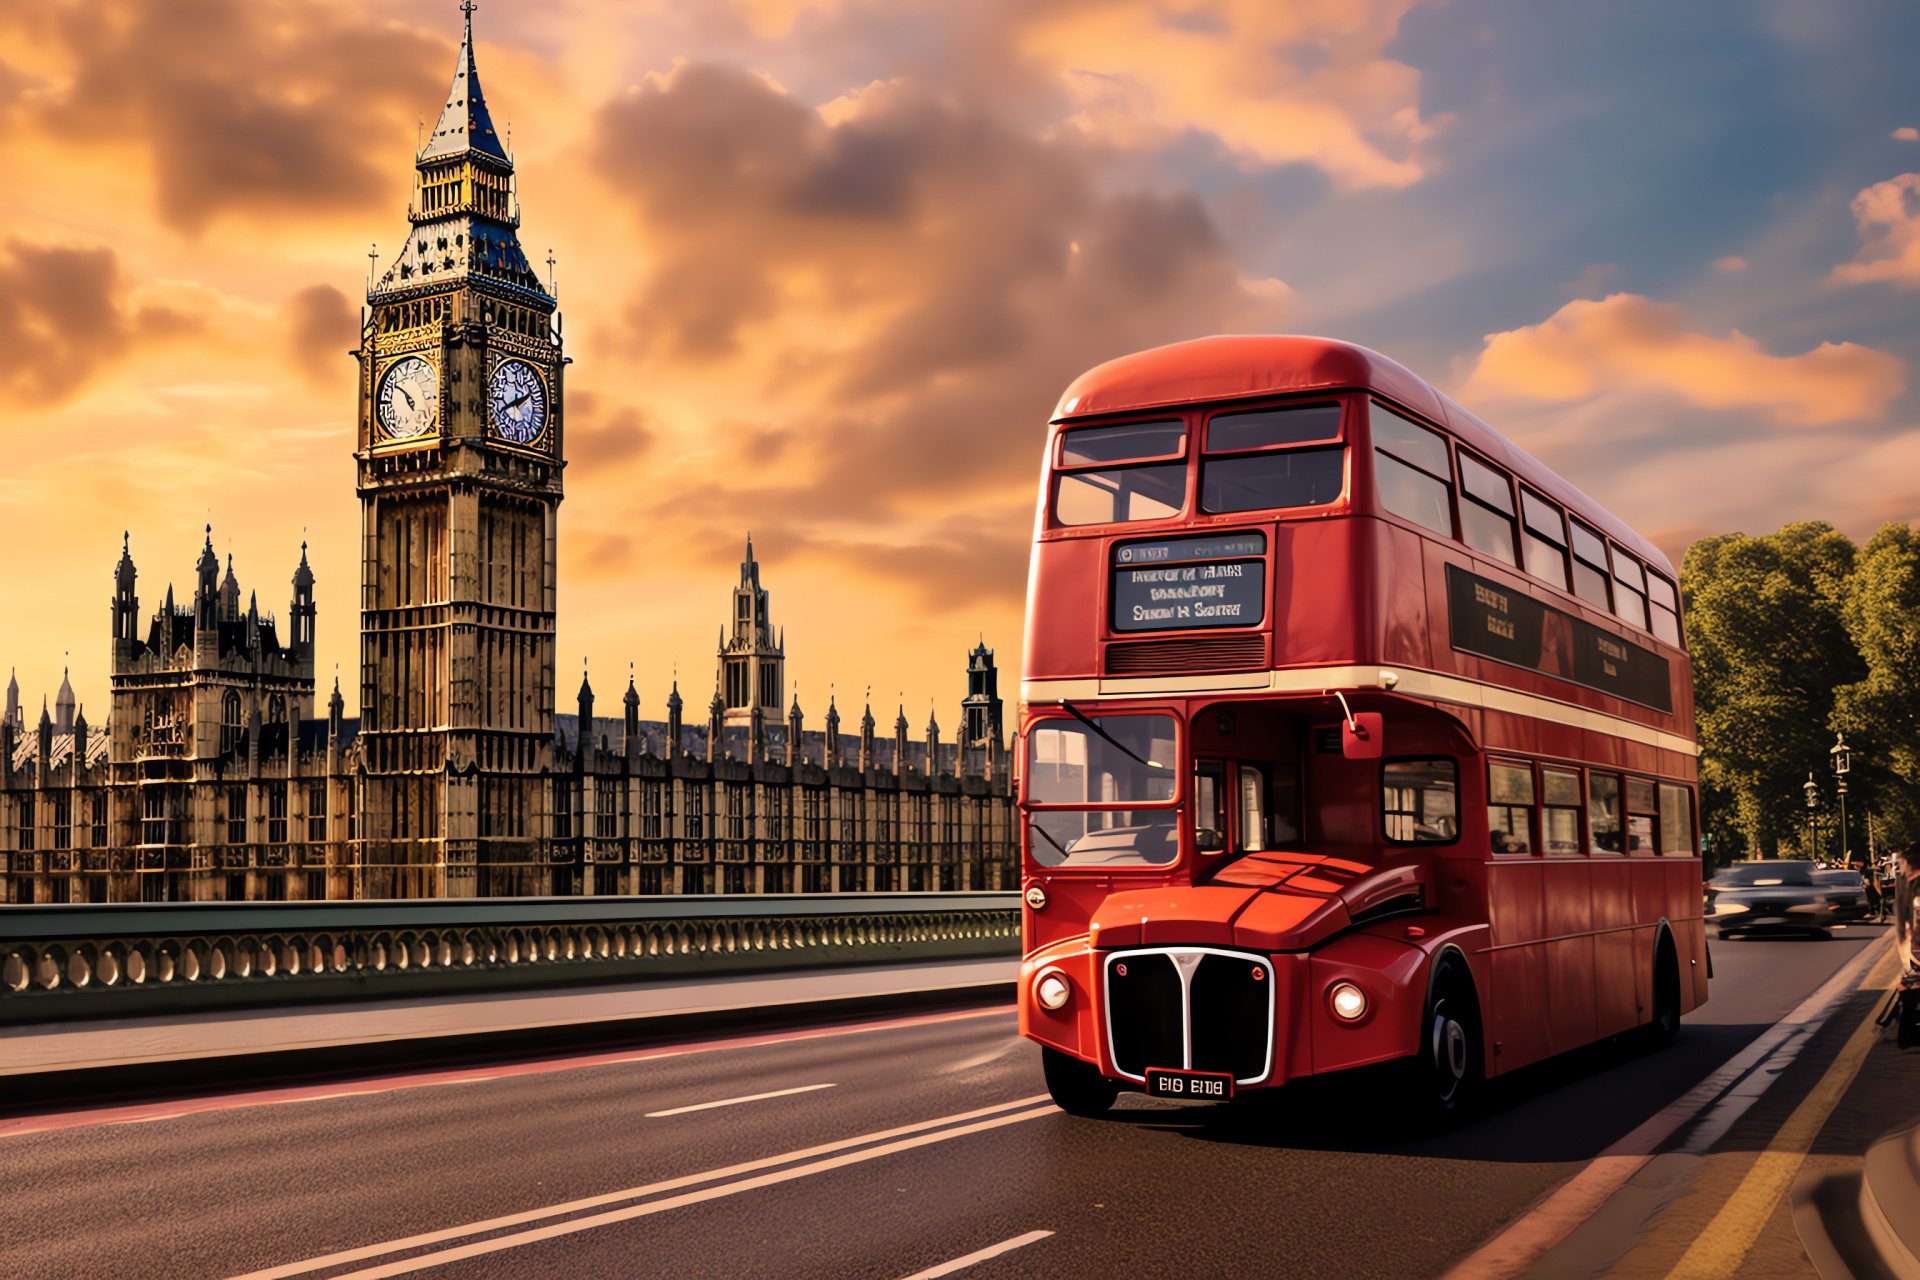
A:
[(1871, 875), (1906, 934)]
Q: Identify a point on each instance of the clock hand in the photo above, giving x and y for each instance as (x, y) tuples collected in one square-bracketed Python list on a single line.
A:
[(402, 388), (515, 404)]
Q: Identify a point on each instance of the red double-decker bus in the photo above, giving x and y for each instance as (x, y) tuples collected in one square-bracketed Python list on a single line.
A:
[(1350, 734)]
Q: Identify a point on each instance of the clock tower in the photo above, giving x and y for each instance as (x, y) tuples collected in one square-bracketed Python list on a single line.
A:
[(459, 457)]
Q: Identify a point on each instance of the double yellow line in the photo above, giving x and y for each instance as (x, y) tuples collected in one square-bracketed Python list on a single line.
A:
[(1718, 1252)]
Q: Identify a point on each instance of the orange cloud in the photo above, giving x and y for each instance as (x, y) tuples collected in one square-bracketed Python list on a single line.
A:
[(1889, 217), (1628, 342), (240, 106), (1275, 83)]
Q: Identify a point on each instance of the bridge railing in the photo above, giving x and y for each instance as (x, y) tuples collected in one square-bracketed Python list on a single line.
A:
[(59, 963)]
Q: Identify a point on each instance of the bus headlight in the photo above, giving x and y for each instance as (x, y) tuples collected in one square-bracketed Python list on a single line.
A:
[(1052, 990), (1349, 1002)]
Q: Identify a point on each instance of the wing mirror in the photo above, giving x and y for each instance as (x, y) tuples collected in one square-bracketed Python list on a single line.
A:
[(1208, 840)]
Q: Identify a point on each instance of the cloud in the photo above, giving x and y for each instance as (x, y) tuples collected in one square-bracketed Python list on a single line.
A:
[(597, 437), (1889, 217), (321, 329), (1275, 83), (1629, 342), (62, 319), (1730, 264), (1906, 133), (259, 107)]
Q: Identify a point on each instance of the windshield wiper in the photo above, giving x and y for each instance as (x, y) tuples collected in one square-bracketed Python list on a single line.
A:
[(1049, 839), (1118, 745)]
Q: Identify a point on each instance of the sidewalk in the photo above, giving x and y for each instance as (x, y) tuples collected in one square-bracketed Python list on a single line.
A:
[(35, 1051)]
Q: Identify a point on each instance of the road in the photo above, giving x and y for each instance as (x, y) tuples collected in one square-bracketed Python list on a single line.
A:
[(888, 1149)]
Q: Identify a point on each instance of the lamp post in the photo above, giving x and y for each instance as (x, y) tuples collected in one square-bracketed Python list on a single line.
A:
[(1842, 762), (1813, 802)]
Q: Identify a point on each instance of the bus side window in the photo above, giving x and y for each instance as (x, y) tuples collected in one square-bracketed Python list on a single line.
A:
[(1410, 470), (1560, 789), (1642, 809), (1546, 539), (1666, 609), (1420, 801), (1603, 811), (1486, 513), (1209, 820), (1629, 589), (1590, 573), (1676, 819), (1510, 807)]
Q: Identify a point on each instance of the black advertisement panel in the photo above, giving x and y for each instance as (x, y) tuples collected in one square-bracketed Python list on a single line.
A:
[(1510, 626), (1179, 584)]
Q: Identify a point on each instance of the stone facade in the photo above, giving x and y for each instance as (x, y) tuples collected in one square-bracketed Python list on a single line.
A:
[(215, 777)]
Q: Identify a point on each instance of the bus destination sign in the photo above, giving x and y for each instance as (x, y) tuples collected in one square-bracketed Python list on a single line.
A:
[(1178, 584), (1510, 626)]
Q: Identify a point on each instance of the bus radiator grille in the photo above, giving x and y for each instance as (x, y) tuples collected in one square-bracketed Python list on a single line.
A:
[(1212, 653), (1144, 1006), (1231, 1013), (1229, 998)]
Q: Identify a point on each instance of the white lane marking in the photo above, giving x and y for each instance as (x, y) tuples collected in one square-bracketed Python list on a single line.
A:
[(538, 1234), (980, 1255), (727, 1102), (612, 1197)]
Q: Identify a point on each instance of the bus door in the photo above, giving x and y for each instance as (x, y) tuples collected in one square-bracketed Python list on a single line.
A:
[(1245, 805)]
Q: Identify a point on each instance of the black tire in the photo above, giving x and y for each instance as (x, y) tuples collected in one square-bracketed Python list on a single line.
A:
[(1725, 934), (1077, 1087), (1449, 1067), (1665, 1023)]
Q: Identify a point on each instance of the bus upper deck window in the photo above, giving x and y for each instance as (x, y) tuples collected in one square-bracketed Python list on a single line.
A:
[(1545, 536), (1603, 812), (1271, 428), (1590, 575), (1510, 807), (1126, 442), (1560, 791), (1119, 495), (1486, 517), (1629, 589), (1265, 481), (1411, 471), (1420, 801), (1665, 609)]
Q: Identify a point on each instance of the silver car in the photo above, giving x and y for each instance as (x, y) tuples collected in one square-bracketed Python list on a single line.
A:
[(1782, 896)]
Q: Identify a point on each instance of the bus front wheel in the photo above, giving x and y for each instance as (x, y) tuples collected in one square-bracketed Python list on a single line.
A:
[(1448, 1067), (1077, 1087)]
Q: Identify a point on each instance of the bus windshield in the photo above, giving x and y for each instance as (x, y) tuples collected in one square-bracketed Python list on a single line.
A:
[(1103, 765)]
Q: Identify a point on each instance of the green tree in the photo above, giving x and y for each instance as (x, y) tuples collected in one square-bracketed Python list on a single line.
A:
[(1770, 646), (1881, 712)]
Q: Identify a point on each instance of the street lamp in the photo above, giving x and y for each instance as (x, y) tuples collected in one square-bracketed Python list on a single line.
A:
[(1842, 762), (1813, 802)]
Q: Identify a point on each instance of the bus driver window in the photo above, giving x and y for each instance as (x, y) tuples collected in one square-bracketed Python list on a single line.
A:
[(1420, 801), (1209, 819)]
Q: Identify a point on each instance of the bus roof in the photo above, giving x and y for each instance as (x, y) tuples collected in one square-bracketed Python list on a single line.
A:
[(1205, 370)]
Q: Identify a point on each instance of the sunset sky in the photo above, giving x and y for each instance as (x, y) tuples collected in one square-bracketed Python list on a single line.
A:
[(826, 267)]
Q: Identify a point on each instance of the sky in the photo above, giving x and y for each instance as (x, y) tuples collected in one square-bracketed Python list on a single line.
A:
[(825, 267)]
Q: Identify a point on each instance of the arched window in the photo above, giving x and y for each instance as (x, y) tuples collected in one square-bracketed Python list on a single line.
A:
[(229, 721)]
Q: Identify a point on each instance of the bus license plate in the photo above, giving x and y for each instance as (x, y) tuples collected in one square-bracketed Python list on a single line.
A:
[(1203, 1086)]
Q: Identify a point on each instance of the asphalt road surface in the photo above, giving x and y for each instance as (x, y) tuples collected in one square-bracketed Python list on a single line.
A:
[(884, 1151)]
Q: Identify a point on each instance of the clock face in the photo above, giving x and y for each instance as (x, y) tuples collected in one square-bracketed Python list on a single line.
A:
[(409, 399), (517, 402)]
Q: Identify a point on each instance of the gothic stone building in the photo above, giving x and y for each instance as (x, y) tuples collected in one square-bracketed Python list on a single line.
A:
[(214, 778)]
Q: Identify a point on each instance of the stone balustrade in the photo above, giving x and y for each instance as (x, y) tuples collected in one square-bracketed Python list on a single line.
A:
[(62, 963)]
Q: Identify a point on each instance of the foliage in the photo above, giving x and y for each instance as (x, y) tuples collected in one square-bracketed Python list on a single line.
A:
[(1795, 636)]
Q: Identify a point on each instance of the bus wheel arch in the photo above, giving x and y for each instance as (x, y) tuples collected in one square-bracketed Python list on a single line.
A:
[(1663, 1017)]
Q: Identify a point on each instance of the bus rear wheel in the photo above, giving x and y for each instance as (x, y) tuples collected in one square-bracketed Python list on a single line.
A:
[(1077, 1087), (1448, 1067)]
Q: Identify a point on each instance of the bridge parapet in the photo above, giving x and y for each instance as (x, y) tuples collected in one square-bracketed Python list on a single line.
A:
[(64, 963)]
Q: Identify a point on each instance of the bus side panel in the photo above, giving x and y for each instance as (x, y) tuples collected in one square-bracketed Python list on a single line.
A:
[(1400, 580), (1616, 998), (1570, 980), (1067, 575), (1698, 988), (1519, 1004), (1313, 564), (1075, 1027)]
